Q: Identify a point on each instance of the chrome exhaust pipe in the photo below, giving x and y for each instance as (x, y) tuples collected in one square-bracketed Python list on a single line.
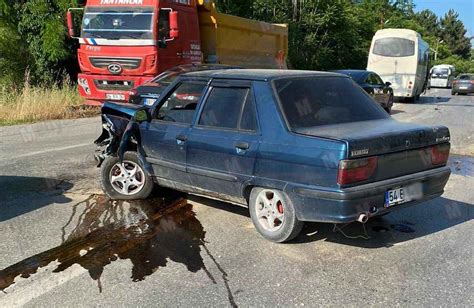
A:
[(363, 218)]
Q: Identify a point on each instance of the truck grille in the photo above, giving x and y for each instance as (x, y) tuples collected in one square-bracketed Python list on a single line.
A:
[(114, 84), (129, 63)]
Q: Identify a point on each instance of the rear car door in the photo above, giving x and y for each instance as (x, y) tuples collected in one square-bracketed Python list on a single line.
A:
[(223, 145), (164, 138)]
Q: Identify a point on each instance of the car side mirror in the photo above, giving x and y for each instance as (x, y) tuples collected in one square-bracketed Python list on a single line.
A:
[(388, 84), (142, 115)]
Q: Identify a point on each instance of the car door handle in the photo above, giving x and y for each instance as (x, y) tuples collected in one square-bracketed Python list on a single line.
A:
[(242, 145), (181, 139)]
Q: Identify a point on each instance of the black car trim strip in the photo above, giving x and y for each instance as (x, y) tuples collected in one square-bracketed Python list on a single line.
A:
[(166, 164), (212, 174)]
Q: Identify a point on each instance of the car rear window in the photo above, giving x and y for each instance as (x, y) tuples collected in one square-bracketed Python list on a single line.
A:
[(466, 77), (315, 101)]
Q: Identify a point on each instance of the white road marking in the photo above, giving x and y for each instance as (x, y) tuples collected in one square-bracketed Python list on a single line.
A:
[(26, 289), (52, 150)]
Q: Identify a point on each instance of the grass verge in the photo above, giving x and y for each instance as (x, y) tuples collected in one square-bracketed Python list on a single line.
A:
[(33, 104)]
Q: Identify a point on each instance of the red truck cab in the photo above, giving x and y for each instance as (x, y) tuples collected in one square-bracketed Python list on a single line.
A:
[(124, 43)]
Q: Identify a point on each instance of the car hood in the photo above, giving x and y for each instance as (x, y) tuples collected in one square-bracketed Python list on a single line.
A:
[(120, 109)]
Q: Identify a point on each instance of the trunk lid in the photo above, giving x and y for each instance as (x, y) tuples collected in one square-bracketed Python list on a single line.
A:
[(369, 138), (401, 148)]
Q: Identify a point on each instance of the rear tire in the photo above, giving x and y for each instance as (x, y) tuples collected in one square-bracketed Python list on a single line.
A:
[(389, 105), (273, 215), (128, 181)]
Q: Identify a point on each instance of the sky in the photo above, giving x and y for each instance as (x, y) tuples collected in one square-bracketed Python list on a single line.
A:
[(465, 9)]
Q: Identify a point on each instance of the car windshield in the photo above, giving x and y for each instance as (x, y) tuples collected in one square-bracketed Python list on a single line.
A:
[(118, 23), (394, 47), (316, 101), (440, 71)]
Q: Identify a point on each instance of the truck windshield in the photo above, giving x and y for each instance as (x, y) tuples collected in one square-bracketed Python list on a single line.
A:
[(394, 47), (316, 101), (118, 23)]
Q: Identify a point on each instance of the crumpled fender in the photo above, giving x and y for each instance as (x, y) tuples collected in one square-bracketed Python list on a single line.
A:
[(131, 131), (132, 135)]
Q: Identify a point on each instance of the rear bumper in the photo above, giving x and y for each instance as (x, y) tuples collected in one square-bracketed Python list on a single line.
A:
[(468, 89), (345, 205)]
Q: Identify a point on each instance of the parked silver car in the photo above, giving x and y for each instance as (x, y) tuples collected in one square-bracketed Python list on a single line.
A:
[(463, 84)]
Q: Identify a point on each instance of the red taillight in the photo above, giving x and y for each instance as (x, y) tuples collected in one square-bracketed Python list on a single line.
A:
[(132, 92), (440, 154), (356, 170)]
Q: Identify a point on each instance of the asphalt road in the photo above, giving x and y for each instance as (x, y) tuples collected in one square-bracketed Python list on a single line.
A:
[(63, 244)]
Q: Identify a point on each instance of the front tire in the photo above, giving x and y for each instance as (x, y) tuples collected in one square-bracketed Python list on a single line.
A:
[(273, 215), (126, 181)]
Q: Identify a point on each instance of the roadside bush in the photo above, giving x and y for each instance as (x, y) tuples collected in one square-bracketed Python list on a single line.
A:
[(35, 103)]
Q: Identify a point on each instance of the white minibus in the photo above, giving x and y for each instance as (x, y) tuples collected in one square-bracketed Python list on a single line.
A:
[(401, 57), (442, 76)]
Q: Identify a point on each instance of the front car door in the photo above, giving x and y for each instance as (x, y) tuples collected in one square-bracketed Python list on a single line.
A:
[(375, 88), (164, 138), (223, 145)]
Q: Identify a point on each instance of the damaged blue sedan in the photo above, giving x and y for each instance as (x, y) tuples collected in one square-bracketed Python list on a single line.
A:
[(293, 146)]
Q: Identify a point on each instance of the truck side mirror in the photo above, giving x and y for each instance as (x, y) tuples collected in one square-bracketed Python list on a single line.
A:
[(70, 24), (174, 25)]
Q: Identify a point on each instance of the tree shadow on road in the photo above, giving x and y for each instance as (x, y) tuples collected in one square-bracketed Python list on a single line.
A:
[(21, 195)]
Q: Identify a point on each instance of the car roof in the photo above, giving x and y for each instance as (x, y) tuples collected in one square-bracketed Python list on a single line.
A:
[(259, 74), (357, 75)]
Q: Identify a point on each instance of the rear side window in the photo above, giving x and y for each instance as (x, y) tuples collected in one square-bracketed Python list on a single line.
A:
[(224, 107), (248, 120), (315, 101), (394, 47)]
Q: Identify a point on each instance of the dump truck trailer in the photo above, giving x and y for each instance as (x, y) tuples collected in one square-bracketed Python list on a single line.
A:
[(124, 43)]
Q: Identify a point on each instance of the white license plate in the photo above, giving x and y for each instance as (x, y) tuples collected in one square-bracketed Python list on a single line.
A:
[(395, 196), (463, 88), (115, 97)]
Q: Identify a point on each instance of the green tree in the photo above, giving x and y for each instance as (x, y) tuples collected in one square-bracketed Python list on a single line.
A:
[(453, 33), (37, 30), (429, 22)]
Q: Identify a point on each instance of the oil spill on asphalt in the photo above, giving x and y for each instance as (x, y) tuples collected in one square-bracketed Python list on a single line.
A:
[(148, 233)]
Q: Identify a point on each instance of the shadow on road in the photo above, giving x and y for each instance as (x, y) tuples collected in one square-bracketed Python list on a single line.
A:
[(400, 226), (30, 193), (407, 224)]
